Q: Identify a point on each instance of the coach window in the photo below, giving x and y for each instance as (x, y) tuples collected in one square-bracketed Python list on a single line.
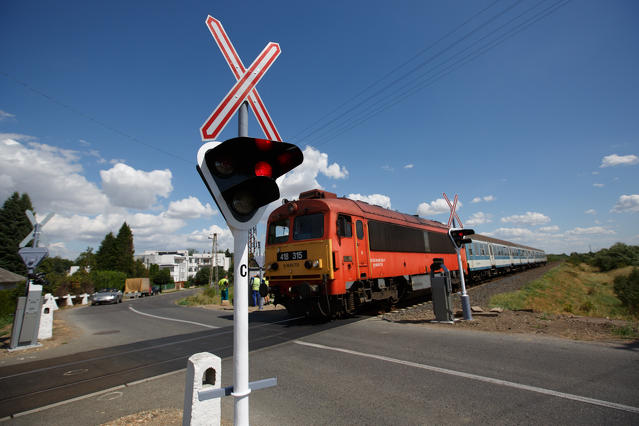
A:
[(308, 226), (359, 228), (278, 232), (344, 226)]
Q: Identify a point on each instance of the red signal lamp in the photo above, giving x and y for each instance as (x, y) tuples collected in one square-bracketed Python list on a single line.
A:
[(262, 168)]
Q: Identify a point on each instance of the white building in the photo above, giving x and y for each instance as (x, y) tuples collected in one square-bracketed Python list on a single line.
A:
[(180, 264)]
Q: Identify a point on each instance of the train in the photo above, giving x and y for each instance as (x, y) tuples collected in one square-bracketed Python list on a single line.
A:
[(328, 256)]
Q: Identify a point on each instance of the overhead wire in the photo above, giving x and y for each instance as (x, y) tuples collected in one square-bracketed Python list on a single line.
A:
[(91, 118), (417, 67), (394, 70), (358, 117)]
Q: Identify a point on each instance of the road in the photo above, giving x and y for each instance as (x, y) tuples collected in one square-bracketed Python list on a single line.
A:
[(361, 371)]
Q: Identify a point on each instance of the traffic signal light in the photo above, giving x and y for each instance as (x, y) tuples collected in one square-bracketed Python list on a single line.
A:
[(457, 236), (240, 174)]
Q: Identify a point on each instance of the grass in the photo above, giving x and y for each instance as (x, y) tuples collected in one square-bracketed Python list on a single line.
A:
[(575, 289), (208, 296)]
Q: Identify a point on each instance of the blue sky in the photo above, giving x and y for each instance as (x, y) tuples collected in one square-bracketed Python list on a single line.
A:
[(526, 109)]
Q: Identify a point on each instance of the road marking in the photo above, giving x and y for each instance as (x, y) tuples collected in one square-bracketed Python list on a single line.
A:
[(172, 319), (479, 378)]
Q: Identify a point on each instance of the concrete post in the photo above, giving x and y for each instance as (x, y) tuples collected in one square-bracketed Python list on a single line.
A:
[(46, 318), (203, 372), (85, 298)]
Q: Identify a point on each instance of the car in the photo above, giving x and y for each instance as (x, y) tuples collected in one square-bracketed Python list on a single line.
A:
[(156, 289), (106, 295)]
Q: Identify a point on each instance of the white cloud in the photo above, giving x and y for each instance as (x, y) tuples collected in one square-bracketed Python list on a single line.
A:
[(304, 177), (375, 199), (591, 211), (189, 208), (530, 218), (478, 218), (627, 204), (553, 228), (387, 168), (51, 176), (594, 230), (5, 115), (618, 160), (598, 185), (487, 199), (409, 166), (517, 233), (128, 187), (438, 206)]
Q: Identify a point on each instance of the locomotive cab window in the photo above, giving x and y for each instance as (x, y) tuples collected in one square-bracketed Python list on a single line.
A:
[(278, 232), (308, 226), (359, 228), (344, 226)]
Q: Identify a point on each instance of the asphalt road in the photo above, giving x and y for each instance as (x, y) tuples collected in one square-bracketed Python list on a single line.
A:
[(362, 371), (132, 341)]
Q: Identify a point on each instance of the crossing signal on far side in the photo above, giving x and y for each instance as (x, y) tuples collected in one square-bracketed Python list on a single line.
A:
[(457, 235), (240, 174)]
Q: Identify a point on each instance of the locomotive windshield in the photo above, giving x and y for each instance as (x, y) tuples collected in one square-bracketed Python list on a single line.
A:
[(278, 232), (308, 226)]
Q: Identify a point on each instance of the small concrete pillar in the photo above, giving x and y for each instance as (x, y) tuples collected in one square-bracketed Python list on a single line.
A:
[(46, 317), (85, 299), (69, 297), (203, 372)]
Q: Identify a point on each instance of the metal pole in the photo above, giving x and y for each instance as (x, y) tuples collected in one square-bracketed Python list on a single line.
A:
[(215, 256), (465, 300), (211, 267), (242, 120), (241, 388)]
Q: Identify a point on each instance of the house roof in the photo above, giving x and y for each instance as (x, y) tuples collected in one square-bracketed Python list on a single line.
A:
[(10, 277)]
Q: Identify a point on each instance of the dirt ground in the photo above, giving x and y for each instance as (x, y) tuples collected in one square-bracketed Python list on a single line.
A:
[(565, 326)]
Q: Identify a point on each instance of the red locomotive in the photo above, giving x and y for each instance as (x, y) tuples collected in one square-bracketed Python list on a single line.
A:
[(326, 256)]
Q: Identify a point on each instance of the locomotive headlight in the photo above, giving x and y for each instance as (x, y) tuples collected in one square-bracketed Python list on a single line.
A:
[(313, 263)]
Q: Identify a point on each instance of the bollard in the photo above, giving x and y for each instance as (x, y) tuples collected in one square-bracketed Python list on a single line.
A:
[(203, 372), (46, 317), (85, 299), (69, 297)]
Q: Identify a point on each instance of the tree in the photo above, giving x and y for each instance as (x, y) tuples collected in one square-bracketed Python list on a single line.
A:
[(139, 270), (126, 250), (54, 265), (163, 276), (106, 259), (86, 259), (14, 226), (627, 290)]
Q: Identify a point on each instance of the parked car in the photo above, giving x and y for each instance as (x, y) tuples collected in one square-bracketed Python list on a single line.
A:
[(156, 289), (106, 295)]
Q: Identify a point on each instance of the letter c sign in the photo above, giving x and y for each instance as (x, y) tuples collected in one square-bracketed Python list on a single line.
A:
[(243, 271)]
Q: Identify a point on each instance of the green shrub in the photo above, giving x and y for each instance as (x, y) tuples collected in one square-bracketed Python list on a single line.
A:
[(627, 290), (108, 279)]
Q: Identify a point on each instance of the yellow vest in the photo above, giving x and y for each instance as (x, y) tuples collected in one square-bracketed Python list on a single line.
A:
[(223, 283), (256, 283)]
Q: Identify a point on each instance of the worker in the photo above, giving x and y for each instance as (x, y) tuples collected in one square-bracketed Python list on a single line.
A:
[(255, 287), (264, 291), (223, 284)]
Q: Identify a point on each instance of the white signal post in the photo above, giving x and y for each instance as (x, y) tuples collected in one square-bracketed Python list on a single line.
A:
[(236, 99), (465, 300)]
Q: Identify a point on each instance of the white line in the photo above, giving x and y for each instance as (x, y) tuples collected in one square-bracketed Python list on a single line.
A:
[(173, 319), (480, 378)]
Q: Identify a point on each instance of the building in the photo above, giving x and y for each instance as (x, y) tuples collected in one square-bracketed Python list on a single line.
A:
[(9, 280), (180, 264)]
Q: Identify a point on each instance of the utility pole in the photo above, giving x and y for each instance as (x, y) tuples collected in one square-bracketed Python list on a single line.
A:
[(213, 248)]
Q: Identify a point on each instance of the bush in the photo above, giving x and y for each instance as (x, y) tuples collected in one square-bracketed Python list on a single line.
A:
[(627, 290), (108, 279)]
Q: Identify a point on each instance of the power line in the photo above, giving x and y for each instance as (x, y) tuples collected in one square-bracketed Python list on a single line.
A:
[(91, 118), (391, 72), (361, 117)]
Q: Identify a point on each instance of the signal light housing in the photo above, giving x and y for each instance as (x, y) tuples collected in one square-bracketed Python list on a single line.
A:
[(240, 174), (457, 236)]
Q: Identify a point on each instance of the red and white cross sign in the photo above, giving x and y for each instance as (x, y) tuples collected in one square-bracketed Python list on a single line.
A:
[(452, 211), (244, 88)]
